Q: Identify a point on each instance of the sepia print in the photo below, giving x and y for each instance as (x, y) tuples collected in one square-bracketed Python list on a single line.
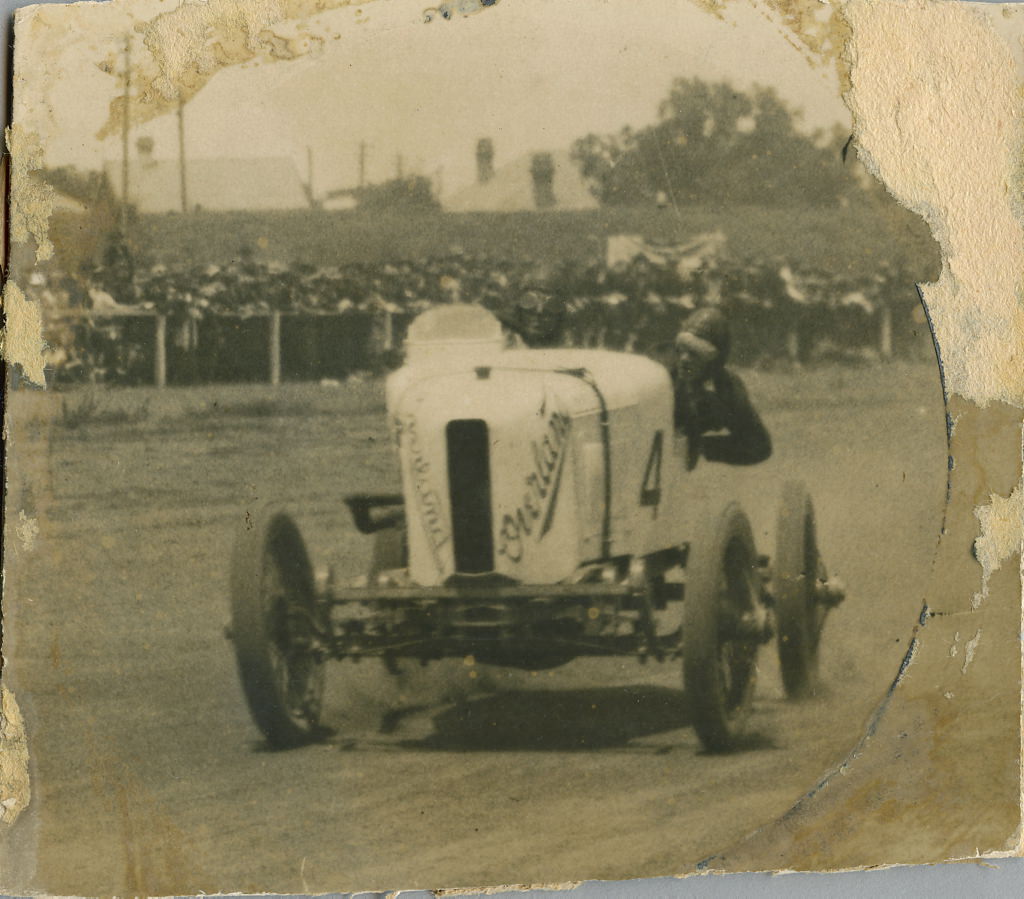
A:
[(507, 442)]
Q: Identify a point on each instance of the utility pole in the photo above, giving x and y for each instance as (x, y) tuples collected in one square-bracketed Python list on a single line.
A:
[(362, 163), (181, 153), (125, 125), (399, 168), (309, 175)]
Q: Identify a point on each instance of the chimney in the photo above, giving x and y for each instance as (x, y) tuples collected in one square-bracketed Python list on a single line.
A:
[(542, 168), (484, 160)]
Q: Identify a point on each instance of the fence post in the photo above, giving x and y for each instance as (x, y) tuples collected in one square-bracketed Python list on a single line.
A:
[(275, 347), (793, 346), (885, 331), (160, 351)]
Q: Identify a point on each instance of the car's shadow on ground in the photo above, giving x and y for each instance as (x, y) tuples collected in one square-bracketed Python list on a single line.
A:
[(553, 720)]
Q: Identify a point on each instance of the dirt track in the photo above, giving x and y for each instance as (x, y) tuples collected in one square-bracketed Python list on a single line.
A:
[(150, 778)]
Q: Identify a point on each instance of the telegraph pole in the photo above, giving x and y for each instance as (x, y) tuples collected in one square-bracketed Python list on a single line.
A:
[(309, 175), (181, 152), (125, 132)]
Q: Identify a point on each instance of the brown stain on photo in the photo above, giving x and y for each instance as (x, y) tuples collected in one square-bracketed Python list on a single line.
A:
[(190, 43)]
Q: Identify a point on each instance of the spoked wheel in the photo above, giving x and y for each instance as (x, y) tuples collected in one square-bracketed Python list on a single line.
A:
[(720, 653), (797, 568), (274, 625)]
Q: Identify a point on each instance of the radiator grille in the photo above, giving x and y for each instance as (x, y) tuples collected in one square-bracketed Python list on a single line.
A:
[(469, 483)]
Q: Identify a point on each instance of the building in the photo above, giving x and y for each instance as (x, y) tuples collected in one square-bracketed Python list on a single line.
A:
[(536, 181), (82, 216), (214, 185)]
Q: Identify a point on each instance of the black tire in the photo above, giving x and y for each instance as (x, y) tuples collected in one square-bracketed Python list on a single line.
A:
[(273, 626), (796, 568), (719, 668)]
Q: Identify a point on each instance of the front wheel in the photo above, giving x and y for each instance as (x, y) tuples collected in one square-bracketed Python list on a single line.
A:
[(720, 661), (274, 625)]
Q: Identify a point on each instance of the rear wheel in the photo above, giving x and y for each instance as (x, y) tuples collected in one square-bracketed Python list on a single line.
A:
[(274, 628), (800, 616), (720, 657)]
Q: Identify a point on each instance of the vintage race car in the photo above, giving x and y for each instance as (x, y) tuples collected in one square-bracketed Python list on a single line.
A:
[(538, 522)]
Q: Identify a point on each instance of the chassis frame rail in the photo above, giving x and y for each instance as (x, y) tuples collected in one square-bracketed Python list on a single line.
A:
[(472, 594), (461, 619)]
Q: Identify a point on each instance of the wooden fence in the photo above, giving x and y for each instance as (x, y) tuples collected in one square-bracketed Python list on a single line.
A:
[(273, 340), (795, 342)]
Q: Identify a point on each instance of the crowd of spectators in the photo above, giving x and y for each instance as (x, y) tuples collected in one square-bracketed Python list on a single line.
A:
[(780, 313)]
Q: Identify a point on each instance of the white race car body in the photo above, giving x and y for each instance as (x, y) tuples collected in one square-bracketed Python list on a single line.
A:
[(528, 463)]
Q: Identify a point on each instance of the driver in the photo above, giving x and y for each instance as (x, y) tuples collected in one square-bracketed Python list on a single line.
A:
[(711, 403), (537, 317)]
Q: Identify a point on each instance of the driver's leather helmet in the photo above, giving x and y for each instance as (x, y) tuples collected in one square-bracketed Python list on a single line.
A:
[(539, 316)]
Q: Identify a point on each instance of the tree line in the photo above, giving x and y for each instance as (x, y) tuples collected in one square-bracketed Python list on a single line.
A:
[(713, 143)]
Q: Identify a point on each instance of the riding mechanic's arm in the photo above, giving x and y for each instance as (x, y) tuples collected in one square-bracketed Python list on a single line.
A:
[(747, 440)]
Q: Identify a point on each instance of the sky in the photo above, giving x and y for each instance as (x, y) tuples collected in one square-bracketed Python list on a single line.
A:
[(530, 74)]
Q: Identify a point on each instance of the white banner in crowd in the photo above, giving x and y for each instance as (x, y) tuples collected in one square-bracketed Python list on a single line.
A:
[(687, 257)]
